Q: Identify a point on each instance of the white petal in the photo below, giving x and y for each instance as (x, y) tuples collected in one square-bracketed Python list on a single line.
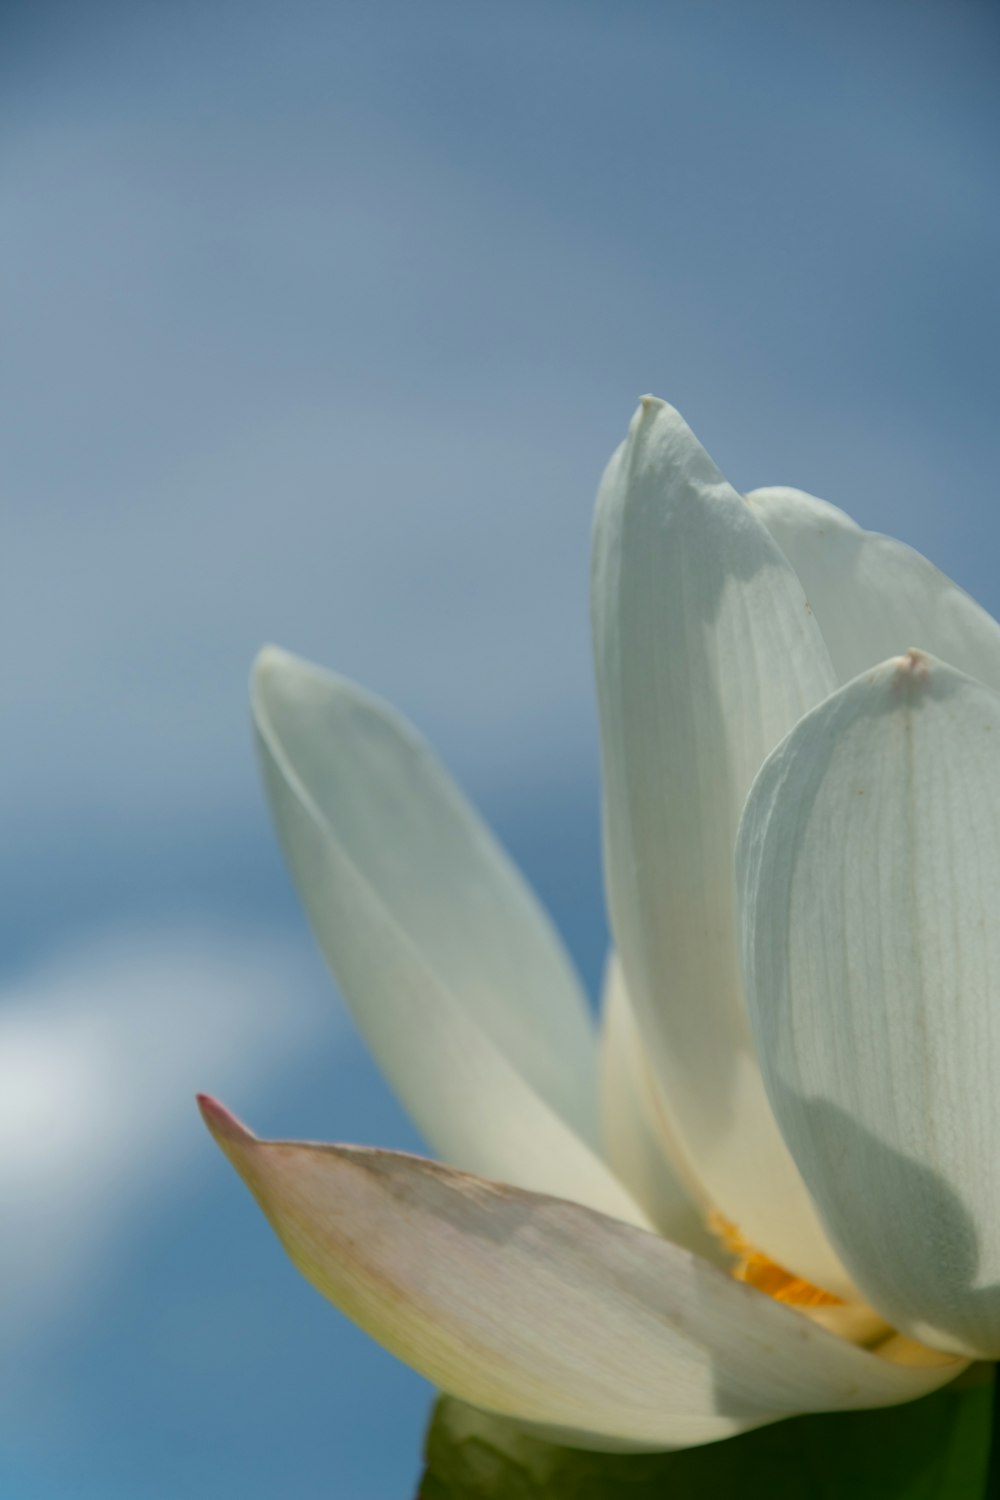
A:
[(539, 1309), (638, 1138), (454, 976), (875, 597), (706, 654), (869, 862)]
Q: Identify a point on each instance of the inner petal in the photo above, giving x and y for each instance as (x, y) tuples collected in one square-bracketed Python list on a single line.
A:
[(706, 655)]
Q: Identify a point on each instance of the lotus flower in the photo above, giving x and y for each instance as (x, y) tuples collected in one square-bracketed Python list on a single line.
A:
[(771, 1184)]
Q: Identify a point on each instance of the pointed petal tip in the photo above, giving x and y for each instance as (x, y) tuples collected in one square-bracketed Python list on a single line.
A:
[(905, 676), (673, 456), (277, 675), (270, 658), (650, 416), (222, 1123), (274, 665), (914, 665), (649, 408)]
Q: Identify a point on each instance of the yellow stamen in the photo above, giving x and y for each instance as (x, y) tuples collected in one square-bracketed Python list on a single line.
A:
[(757, 1269)]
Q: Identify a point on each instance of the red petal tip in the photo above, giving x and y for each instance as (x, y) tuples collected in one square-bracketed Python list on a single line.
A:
[(221, 1122)]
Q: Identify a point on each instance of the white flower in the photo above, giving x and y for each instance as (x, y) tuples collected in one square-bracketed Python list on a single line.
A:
[(831, 1089)]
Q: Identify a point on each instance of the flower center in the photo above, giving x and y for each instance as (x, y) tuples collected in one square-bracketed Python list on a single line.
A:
[(757, 1269)]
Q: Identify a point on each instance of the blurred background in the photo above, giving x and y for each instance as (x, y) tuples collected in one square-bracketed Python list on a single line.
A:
[(319, 324)]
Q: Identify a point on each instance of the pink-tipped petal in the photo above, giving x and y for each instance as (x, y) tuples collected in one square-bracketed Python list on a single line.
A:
[(546, 1311), (222, 1122)]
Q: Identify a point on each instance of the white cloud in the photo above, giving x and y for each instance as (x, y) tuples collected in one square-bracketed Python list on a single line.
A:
[(101, 1051)]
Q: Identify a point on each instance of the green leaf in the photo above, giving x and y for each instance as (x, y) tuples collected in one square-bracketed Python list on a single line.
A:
[(933, 1449)]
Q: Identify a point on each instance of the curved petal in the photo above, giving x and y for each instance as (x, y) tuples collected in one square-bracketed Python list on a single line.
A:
[(869, 865), (539, 1309), (875, 597), (454, 976), (638, 1139), (706, 655)]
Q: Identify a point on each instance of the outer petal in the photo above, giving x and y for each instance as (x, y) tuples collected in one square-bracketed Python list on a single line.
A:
[(706, 654), (638, 1139), (454, 976), (875, 597), (541, 1310), (869, 862)]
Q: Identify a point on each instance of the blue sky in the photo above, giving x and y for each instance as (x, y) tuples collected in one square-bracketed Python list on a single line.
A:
[(320, 322)]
